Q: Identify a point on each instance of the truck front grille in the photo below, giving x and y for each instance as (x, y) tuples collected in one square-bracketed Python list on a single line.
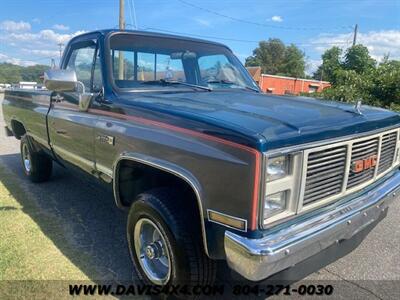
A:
[(325, 171), (360, 151), (332, 172), (387, 152)]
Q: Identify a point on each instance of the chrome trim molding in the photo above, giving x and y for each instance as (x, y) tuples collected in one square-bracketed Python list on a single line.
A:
[(105, 170), (73, 158), (257, 259), (170, 168), (229, 216)]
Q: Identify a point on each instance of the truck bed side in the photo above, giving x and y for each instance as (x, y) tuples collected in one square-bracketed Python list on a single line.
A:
[(27, 108)]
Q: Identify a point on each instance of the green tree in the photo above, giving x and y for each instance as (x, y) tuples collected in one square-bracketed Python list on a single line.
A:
[(358, 77), (331, 62), (10, 73), (378, 86), (33, 73), (349, 86), (275, 58), (293, 63), (357, 58), (269, 55), (385, 87)]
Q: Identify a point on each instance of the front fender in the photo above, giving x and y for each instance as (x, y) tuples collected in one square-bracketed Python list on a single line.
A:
[(167, 167)]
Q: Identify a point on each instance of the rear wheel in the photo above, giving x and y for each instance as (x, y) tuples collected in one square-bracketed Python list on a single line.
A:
[(165, 246), (37, 165)]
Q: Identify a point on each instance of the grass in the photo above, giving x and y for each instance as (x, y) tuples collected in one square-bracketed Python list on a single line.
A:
[(26, 253)]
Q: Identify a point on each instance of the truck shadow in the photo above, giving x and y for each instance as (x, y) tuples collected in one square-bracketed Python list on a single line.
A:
[(79, 216)]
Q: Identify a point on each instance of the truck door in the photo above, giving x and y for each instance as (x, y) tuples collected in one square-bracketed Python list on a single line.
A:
[(71, 131)]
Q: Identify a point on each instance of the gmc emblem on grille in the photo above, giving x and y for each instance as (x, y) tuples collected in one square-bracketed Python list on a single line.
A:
[(363, 164)]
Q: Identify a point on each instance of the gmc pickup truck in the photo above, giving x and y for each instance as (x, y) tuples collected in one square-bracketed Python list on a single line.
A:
[(209, 168)]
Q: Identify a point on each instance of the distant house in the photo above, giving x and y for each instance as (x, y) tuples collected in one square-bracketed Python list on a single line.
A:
[(4, 85), (283, 85), (27, 85), (255, 72)]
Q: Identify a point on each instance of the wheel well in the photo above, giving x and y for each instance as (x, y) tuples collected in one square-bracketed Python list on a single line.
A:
[(18, 129), (135, 178)]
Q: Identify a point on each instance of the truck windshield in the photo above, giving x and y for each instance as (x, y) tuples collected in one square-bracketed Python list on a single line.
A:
[(154, 63)]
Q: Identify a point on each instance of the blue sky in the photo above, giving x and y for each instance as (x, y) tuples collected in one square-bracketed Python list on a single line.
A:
[(30, 30)]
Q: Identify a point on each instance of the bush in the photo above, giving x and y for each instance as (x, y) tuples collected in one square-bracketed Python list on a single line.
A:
[(358, 77)]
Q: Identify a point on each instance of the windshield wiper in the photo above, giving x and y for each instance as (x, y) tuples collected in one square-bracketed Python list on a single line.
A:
[(223, 81), (164, 81)]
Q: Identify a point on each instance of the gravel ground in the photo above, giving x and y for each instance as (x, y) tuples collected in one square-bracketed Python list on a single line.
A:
[(96, 227)]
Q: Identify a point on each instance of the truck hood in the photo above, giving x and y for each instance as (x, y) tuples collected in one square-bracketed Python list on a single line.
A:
[(281, 120)]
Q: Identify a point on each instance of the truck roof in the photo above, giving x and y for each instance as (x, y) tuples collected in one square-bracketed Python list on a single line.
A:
[(152, 34)]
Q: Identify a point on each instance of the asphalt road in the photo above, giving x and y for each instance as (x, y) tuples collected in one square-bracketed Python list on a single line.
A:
[(96, 227)]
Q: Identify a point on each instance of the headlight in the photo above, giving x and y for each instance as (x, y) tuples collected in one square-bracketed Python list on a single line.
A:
[(277, 167), (281, 187), (275, 203)]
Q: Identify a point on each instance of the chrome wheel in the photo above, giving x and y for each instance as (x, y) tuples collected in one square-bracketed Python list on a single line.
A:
[(26, 157), (152, 252)]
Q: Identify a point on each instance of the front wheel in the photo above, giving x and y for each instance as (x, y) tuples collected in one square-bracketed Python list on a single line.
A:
[(152, 251), (164, 245)]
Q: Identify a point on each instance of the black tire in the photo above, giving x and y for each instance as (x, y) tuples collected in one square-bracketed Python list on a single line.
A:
[(40, 165), (182, 233)]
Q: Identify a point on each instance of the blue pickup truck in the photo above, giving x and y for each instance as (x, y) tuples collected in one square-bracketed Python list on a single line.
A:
[(209, 168)]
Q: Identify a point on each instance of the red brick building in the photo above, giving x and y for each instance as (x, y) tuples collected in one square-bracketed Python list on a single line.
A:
[(282, 85)]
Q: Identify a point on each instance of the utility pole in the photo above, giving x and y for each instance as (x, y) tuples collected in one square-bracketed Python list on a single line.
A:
[(121, 27), (355, 35), (61, 45)]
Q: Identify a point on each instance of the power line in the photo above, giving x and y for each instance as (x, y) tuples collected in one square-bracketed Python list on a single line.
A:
[(131, 4), (239, 40), (130, 11), (134, 13), (257, 23)]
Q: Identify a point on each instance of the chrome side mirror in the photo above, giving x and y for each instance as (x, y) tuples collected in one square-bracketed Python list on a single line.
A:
[(60, 80), (66, 81)]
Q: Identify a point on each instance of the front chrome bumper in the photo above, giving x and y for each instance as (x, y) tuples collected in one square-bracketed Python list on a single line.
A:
[(257, 259)]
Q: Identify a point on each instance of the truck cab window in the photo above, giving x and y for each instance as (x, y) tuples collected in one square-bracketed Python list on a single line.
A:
[(138, 66), (81, 60), (146, 66), (125, 63), (169, 68), (218, 70), (148, 63)]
